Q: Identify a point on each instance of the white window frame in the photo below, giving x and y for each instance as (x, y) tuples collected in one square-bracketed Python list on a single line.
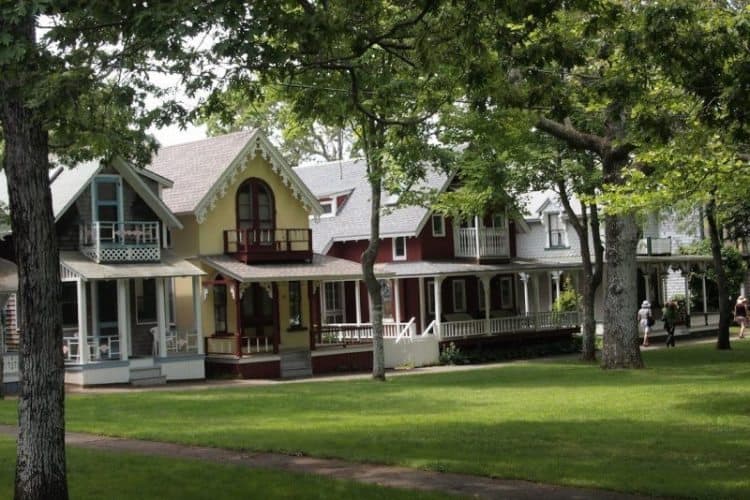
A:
[(332, 203), (441, 218), (504, 224), (455, 285), (561, 227), (393, 247)]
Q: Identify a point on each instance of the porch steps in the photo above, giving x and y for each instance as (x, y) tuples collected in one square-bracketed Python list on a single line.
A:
[(295, 364), (147, 376)]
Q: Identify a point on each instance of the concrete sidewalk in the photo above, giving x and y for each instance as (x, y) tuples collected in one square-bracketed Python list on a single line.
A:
[(383, 475)]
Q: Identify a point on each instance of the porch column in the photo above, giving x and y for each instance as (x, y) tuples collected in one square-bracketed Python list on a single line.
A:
[(358, 301), (94, 289), (486, 288), (647, 283), (274, 291), (314, 323), (83, 348), (236, 295), (161, 317), (705, 299), (476, 235), (422, 325), (556, 278), (397, 298), (686, 276), (438, 303), (198, 313), (123, 319), (524, 277), (323, 301)]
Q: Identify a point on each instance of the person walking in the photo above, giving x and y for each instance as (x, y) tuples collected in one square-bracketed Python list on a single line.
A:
[(740, 314), (645, 320), (670, 318)]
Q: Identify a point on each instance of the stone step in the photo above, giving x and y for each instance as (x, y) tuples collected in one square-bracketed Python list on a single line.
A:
[(296, 364)]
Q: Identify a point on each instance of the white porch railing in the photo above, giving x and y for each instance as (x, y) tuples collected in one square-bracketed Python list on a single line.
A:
[(182, 342), (100, 348), (514, 324), (256, 345), (654, 246), (337, 333), (492, 242), (120, 241), (10, 365), (453, 329)]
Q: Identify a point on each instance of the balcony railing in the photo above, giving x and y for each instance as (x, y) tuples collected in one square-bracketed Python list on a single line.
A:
[(654, 246), (269, 245), (489, 243), (120, 241)]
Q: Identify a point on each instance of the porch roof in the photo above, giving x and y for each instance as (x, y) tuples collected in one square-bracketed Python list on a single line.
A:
[(169, 266), (322, 267), (448, 268)]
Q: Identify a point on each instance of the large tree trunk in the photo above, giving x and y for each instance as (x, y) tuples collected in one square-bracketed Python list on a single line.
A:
[(620, 348), (40, 465), (722, 285)]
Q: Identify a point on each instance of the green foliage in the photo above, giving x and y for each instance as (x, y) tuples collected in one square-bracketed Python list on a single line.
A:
[(568, 300), (734, 267), (452, 355)]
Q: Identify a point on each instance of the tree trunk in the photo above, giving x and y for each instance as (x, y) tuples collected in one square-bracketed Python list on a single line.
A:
[(722, 285), (40, 463), (375, 177), (620, 348)]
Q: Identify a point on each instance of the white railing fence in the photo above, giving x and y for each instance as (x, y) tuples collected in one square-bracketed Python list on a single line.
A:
[(493, 242), (182, 341), (105, 347), (257, 345), (337, 333), (120, 241)]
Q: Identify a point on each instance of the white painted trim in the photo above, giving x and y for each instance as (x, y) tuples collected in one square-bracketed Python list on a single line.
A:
[(393, 248), (440, 234)]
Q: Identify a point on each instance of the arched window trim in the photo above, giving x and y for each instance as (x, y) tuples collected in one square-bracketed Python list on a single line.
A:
[(254, 183)]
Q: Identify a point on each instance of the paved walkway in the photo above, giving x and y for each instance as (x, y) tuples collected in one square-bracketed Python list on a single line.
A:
[(383, 475)]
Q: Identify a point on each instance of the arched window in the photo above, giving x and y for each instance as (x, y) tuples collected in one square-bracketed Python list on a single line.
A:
[(255, 206)]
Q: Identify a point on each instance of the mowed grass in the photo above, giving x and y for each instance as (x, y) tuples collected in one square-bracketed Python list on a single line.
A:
[(95, 475), (681, 427)]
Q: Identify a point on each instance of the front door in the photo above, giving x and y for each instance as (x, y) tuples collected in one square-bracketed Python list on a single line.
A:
[(257, 311)]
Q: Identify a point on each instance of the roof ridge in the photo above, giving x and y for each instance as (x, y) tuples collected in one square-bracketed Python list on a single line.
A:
[(331, 162), (206, 139)]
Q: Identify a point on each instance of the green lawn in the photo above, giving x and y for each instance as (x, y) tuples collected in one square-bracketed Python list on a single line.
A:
[(96, 475), (679, 428)]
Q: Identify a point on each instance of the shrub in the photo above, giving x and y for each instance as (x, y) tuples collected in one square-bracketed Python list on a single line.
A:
[(452, 355)]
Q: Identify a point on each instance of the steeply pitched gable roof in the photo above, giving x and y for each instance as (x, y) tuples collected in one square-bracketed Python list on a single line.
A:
[(202, 171), (67, 184), (353, 220)]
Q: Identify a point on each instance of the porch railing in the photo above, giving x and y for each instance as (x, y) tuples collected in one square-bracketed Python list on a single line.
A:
[(345, 333), (182, 342), (130, 241), (10, 365), (492, 242), (257, 345), (654, 246), (259, 245), (514, 324), (228, 345), (100, 348)]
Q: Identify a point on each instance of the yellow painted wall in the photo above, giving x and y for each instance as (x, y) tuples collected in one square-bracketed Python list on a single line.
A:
[(289, 211), (184, 315), (185, 241), (297, 338)]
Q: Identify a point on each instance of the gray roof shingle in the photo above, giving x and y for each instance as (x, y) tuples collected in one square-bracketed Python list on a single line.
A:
[(194, 167), (353, 219)]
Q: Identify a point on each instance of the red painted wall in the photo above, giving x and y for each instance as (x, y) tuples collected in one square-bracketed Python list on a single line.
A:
[(437, 247), (345, 362)]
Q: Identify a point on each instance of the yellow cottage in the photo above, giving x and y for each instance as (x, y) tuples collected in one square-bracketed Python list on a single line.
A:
[(245, 215)]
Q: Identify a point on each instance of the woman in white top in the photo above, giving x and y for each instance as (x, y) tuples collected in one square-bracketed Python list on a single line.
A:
[(644, 313)]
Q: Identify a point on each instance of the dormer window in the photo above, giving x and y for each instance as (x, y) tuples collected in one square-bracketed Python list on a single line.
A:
[(555, 231), (329, 207), (399, 248), (438, 226)]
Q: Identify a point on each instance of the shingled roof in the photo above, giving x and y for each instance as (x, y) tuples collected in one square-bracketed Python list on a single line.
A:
[(353, 220), (201, 170)]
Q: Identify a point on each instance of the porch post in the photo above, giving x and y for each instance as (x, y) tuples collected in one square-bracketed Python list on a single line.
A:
[(438, 303), (686, 275), (94, 289), (705, 299), (322, 298), (647, 283), (556, 278), (312, 321), (276, 317), (397, 298), (421, 304), (358, 302), (83, 346), (486, 288), (198, 313), (525, 280), (123, 320), (238, 311), (161, 317), (476, 236)]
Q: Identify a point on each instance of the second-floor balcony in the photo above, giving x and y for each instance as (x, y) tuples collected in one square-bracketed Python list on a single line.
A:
[(269, 245), (486, 243), (129, 241), (654, 246)]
